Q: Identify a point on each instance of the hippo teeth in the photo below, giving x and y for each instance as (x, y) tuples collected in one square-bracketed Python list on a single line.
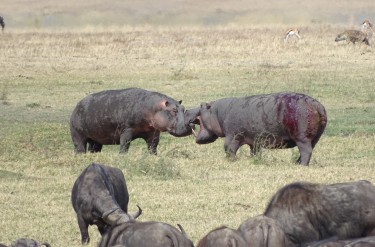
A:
[(194, 133)]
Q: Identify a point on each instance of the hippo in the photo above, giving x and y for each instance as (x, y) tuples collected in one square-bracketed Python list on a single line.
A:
[(309, 212), (277, 120), (119, 116)]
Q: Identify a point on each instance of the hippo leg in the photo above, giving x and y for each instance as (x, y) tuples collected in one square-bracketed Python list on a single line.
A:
[(305, 150), (152, 140), (94, 146), (79, 141), (231, 145), (125, 139), (83, 227)]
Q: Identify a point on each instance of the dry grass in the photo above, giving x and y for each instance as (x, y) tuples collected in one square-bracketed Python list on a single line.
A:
[(45, 73)]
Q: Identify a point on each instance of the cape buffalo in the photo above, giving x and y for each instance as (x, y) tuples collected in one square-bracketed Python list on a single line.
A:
[(145, 234), (309, 212), (27, 242), (222, 237), (333, 242), (262, 231), (100, 197), (120, 116), (278, 120)]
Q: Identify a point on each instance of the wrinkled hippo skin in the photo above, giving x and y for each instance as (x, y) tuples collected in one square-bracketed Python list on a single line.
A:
[(120, 116), (279, 120)]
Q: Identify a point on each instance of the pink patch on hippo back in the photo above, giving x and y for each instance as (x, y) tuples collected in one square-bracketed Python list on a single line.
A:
[(290, 117)]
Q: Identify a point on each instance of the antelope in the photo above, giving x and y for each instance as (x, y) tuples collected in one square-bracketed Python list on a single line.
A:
[(292, 32), (366, 27)]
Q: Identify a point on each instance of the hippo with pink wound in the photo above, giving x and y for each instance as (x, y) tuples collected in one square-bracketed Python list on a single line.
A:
[(278, 120), (120, 116)]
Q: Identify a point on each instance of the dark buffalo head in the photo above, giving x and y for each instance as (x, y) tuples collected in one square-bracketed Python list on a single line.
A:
[(28, 242), (118, 216)]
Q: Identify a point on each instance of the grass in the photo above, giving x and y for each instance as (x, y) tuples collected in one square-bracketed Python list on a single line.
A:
[(48, 72)]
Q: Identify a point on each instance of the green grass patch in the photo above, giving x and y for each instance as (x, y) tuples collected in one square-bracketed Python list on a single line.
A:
[(47, 73)]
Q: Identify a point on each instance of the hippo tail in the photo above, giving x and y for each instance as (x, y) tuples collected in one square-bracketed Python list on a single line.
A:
[(323, 115), (322, 122)]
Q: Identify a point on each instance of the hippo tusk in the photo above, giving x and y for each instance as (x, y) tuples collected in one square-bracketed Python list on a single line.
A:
[(194, 133)]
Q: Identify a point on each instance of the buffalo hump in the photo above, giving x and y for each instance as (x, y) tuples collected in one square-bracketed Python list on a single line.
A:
[(100, 197), (309, 212), (222, 237), (145, 234)]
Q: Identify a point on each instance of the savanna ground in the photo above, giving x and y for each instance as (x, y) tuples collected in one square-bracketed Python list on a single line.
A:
[(45, 72)]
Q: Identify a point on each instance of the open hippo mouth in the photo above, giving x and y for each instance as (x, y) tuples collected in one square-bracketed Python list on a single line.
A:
[(204, 135), (192, 126)]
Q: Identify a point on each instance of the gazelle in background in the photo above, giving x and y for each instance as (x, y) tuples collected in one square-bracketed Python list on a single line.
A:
[(366, 27), (292, 32)]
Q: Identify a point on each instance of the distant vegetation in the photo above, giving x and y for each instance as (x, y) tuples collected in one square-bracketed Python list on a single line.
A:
[(77, 14)]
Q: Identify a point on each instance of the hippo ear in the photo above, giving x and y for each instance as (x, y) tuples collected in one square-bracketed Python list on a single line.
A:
[(206, 106), (163, 104), (180, 102)]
